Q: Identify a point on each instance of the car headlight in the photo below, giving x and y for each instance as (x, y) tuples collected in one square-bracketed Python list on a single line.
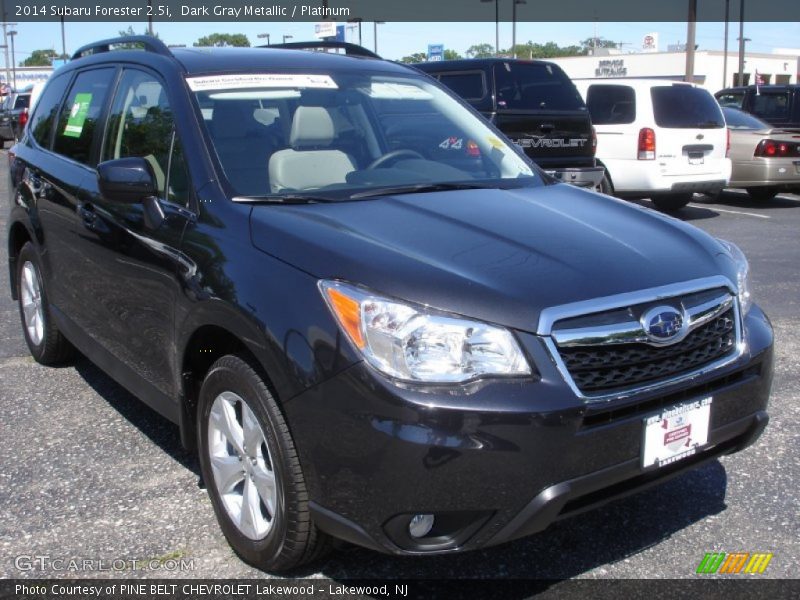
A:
[(742, 274), (412, 343)]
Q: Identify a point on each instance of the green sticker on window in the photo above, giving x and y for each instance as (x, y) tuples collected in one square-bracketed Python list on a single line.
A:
[(77, 115)]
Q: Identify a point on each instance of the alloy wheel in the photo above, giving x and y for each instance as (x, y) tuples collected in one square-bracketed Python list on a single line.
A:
[(242, 466), (31, 296)]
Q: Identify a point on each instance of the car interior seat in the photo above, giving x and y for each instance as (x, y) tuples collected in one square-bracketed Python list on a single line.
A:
[(310, 162)]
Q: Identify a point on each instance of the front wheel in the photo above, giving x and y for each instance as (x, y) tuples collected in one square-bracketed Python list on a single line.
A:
[(671, 202), (252, 471)]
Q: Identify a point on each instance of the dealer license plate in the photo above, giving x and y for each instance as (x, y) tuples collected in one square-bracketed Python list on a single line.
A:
[(675, 433)]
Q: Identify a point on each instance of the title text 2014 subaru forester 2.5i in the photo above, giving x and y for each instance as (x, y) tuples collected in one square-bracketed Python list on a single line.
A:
[(366, 335)]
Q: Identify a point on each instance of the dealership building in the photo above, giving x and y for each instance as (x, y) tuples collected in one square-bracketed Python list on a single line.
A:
[(780, 67)]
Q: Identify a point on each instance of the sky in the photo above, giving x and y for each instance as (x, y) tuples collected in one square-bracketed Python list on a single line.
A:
[(396, 40)]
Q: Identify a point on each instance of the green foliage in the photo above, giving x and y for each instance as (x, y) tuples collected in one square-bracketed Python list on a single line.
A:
[(40, 58), (480, 51), (451, 54), (415, 58), (224, 39)]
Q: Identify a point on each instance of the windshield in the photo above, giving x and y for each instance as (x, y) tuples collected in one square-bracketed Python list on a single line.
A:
[(736, 119), (336, 136)]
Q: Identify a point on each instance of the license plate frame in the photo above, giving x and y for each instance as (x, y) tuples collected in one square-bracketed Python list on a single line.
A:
[(675, 432)]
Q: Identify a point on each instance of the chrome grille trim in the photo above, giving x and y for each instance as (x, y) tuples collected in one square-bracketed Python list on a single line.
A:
[(631, 332), (701, 314)]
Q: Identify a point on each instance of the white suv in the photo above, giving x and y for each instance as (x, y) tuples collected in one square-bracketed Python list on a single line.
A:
[(658, 139)]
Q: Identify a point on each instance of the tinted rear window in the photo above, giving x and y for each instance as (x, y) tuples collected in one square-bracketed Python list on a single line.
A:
[(611, 104), (732, 99), (531, 86), (685, 107), (22, 101), (467, 85), (771, 106), (736, 119)]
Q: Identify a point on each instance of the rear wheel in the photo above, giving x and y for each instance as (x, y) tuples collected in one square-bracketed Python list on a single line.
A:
[(252, 471), (671, 202), (605, 186), (46, 343), (762, 194)]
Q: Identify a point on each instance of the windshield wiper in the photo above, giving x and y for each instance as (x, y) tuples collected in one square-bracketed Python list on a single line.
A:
[(283, 199), (419, 188)]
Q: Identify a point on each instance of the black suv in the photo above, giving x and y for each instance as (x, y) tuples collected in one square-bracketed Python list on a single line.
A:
[(367, 334), (778, 105), (536, 105), (13, 115)]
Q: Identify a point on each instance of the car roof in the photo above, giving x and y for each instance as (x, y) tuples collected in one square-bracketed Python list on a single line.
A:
[(772, 87), (229, 60), (643, 82), (472, 63)]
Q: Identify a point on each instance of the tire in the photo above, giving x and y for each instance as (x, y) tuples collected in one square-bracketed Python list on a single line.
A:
[(46, 343), (277, 534), (605, 186), (762, 194), (671, 202)]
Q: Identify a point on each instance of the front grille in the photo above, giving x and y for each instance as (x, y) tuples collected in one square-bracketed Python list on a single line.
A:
[(601, 369)]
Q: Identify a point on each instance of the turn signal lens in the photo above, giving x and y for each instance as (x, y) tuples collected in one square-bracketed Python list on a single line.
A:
[(348, 313)]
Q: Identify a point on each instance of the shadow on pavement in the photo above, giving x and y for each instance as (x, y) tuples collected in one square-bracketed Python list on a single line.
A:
[(161, 431), (741, 199)]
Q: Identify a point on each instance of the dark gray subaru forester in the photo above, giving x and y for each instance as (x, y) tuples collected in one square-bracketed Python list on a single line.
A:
[(371, 314)]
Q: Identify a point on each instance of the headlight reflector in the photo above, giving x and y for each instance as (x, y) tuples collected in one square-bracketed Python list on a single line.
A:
[(742, 274), (413, 343)]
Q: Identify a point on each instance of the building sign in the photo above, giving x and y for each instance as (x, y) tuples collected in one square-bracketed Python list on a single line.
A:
[(435, 52), (614, 67), (650, 42), (26, 76), (324, 29)]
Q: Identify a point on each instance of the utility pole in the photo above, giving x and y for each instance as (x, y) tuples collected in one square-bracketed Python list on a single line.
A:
[(12, 34), (150, 17), (725, 52), (63, 41), (5, 40), (741, 43), (691, 30)]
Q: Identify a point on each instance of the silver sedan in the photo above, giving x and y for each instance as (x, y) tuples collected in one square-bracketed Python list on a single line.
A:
[(765, 160)]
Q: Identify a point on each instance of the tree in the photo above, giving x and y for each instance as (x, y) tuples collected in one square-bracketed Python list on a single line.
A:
[(451, 54), (40, 58), (480, 51), (130, 31), (415, 58), (548, 50), (224, 39)]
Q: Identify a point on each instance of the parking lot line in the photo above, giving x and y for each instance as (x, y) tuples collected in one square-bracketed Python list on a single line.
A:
[(740, 212)]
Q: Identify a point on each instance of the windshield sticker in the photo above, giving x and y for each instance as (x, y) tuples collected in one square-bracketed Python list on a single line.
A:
[(397, 91), (275, 80), (77, 115), (495, 142), (452, 143)]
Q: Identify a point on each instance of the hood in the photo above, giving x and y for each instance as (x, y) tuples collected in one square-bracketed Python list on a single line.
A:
[(497, 255)]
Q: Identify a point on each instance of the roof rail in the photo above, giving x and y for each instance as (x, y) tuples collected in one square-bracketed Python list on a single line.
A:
[(349, 49), (150, 43)]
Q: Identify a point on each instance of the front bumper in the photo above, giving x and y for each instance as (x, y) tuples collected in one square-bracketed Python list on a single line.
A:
[(498, 460)]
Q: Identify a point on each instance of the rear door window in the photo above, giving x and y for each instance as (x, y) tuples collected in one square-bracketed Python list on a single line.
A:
[(771, 106), (685, 107), (534, 86), (80, 114), (611, 104), (45, 113), (470, 85)]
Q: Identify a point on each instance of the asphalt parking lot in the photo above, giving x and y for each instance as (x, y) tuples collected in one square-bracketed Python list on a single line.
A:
[(87, 471)]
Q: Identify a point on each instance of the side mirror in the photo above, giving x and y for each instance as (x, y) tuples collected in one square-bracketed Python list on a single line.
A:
[(126, 180)]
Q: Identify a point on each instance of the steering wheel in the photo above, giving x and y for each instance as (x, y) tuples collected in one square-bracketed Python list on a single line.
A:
[(391, 156)]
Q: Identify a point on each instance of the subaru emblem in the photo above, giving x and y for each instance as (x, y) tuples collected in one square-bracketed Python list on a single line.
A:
[(664, 324)]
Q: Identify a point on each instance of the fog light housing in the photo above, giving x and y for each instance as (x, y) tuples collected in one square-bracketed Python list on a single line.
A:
[(420, 525)]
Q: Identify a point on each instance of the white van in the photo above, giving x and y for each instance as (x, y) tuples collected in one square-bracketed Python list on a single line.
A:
[(658, 139)]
